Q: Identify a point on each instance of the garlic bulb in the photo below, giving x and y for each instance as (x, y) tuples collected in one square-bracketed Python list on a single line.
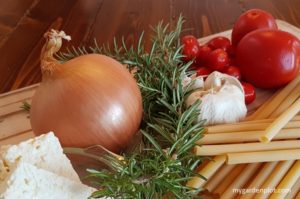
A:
[(222, 100)]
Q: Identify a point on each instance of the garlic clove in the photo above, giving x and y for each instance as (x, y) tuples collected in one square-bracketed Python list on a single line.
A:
[(197, 82), (193, 97), (233, 90), (217, 80), (214, 80)]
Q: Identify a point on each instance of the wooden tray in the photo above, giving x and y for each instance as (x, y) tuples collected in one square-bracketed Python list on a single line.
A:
[(14, 121)]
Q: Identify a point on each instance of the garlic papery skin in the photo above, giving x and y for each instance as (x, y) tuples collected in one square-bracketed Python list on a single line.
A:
[(196, 82), (225, 106), (217, 79), (194, 96), (222, 100)]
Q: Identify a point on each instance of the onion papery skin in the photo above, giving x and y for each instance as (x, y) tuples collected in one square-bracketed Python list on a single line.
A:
[(89, 100)]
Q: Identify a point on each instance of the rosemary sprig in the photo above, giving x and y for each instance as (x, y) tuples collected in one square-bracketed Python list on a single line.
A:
[(165, 161)]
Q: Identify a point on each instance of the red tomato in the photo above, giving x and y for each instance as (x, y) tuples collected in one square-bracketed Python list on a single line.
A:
[(204, 51), (219, 42), (233, 71), (190, 47), (217, 60), (249, 92), (268, 58), (203, 71), (251, 20)]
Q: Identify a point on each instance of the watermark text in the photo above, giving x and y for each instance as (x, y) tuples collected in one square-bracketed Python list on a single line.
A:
[(257, 190)]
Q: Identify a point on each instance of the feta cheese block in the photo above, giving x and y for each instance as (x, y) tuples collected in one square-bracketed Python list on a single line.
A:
[(44, 152), (29, 182)]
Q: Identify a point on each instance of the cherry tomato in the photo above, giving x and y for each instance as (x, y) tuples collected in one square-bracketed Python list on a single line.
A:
[(190, 47), (268, 58), (203, 71), (219, 42), (233, 71), (217, 60), (204, 51), (249, 92), (251, 20)]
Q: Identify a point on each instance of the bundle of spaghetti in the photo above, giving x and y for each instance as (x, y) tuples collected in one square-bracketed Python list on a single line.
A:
[(276, 121), (264, 179), (294, 191), (223, 149), (254, 125), (274, 179), (246, 136), (281, 121), (260, 178), (206, 172), (219, 176), (276, 101), (242, 139), (288, 181), (234, 174), (240, 181)]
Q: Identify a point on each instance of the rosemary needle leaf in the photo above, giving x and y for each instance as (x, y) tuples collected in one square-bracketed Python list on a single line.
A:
[(26, 106)]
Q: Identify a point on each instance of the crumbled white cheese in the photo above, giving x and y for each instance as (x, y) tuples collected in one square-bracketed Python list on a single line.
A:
[(25, 181), (44, 152)]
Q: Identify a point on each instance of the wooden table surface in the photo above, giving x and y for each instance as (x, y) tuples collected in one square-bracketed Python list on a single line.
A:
[(23, 23)]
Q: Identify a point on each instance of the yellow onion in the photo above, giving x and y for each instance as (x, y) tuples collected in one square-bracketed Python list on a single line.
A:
[(89, 100)]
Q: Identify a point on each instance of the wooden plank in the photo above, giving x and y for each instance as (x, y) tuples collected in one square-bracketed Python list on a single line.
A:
[(11, 12), (207, 17), (280, 9), (129, 19), (14, 124), (17, 95), (17, 138), (13, 108), (78, 23), (25, 36)]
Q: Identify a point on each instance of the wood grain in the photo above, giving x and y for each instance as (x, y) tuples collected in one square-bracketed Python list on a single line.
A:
[(23, 23)]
